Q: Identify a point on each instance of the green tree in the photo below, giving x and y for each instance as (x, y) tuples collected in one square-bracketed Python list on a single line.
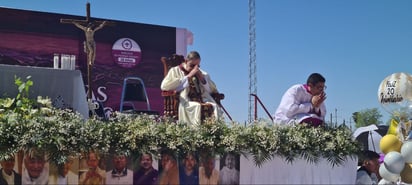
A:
[(367, 117)]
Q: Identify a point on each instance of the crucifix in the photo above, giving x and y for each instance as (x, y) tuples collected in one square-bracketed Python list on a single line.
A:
[(89, 27)]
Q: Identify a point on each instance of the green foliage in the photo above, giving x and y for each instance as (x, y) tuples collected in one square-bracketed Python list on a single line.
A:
[(367, 117), (21, 103), (64, 133), (13, 112)]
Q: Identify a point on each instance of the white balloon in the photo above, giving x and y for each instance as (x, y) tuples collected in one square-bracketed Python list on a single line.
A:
[(394, 162), (395, 95), (392, 177), (406, 151)]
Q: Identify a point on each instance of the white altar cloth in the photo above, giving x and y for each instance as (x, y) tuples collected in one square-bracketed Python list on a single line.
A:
[(278, 171), (64, 87)]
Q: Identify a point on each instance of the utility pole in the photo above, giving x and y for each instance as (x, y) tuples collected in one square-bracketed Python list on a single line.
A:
[(336, 117), (252, 59), (331, 123)]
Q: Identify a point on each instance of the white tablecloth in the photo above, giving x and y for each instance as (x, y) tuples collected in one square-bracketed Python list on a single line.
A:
[(278, 171), (64, 87)]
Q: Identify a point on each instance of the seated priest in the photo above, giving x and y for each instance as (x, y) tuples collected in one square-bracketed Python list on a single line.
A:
[(194, 87)]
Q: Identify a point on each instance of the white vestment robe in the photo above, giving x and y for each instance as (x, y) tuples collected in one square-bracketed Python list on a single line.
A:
[(189, 111), (295, 106)]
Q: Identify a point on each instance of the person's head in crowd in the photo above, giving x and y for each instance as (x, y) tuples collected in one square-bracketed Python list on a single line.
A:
[(119, 162), (209, 165), (34, 162), (168, 160), (146, 162), (92, 159), (316, 83), (189, 162), (63, 169), (230, 161), (370, 161), (8, 165)]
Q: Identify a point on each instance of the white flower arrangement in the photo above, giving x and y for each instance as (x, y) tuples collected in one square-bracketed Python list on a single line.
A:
[(64, 133)]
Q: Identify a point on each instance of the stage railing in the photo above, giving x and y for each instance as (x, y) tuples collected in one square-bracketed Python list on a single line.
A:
[(261, 104)]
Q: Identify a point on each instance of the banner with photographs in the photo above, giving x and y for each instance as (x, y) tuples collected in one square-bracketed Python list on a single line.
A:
[(32, 167)]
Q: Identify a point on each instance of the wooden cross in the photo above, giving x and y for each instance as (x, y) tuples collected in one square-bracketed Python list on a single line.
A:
[(89, 27)]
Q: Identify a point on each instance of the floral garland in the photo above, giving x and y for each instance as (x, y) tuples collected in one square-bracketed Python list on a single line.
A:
[(64, 133)]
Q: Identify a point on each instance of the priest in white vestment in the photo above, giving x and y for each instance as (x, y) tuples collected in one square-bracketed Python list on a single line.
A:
[(188, 79), (303, 103)]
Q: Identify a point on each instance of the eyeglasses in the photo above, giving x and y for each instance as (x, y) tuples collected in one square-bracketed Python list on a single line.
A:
[(320, 87)]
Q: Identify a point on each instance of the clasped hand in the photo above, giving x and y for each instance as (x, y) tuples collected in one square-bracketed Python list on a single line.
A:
[(318, 99), (196, 72)]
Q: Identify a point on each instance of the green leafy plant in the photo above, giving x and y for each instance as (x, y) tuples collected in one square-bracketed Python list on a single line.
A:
[(26, 123)]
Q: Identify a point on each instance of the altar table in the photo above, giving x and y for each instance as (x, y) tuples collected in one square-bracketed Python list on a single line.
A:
[(65, 88)]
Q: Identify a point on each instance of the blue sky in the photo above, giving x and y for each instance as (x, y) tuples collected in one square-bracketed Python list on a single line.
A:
[(354, 44)]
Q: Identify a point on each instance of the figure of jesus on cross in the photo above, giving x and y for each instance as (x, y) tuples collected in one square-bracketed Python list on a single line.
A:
[(89, 29), (90, 44)]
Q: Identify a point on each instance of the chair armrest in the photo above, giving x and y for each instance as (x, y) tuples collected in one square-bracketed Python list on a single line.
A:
[(168, 93), (218, 97)]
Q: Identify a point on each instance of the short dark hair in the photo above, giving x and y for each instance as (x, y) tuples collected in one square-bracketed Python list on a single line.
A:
[(367, 155), (169, 153), (150, 156), (315, 78)]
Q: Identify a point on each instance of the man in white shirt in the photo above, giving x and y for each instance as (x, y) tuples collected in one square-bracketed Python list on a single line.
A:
[(303, 103), (120, 174)]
